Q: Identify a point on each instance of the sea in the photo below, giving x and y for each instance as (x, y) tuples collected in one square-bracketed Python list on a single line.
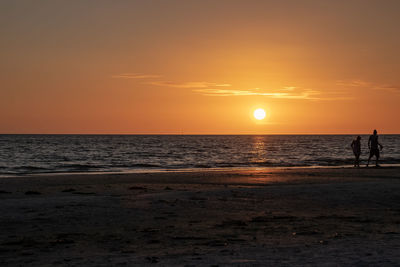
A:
[(36, 154)]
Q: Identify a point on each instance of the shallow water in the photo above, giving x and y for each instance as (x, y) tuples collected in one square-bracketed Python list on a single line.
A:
[(25, 154)]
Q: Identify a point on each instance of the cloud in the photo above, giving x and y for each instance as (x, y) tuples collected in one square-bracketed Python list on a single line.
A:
[(189, 84), (289, 88), (390, 88), (135, 76), (370, 85), (294, 93), (226, 89), (353, 83), (305, 94), (154, 80)]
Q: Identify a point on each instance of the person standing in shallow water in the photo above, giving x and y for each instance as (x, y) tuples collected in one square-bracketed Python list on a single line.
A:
[(374, 145), (356, 146)]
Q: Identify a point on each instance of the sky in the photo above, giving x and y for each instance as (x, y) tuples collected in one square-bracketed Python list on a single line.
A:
[(199, 67)]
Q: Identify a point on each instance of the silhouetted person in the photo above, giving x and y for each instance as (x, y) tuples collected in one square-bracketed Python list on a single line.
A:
[(356, 146), (374, 145)]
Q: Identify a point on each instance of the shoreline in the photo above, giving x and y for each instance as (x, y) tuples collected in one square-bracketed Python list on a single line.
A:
[(195, 170)]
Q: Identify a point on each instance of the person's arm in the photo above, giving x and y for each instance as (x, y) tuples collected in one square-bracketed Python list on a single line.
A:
[(369, 143), (352, 144), (380, 145)]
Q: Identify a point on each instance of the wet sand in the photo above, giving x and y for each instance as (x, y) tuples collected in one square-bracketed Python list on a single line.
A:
[(276, 217)]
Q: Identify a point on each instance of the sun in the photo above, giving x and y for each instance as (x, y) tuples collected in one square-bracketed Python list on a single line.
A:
[(259, 114)]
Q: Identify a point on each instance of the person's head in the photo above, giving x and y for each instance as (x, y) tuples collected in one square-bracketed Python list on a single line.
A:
[(358, 138), (375, 132)]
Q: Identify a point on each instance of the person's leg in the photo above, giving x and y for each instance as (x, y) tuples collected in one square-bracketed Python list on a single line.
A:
[(377, 159), (371, 154)]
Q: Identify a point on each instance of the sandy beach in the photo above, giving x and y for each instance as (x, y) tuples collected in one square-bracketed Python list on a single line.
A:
[(273, 217)]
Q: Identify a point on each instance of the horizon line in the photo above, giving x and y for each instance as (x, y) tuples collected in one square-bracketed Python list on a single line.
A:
[(177, 134)]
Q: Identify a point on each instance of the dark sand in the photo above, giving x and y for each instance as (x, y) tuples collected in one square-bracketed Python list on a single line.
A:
[(318, 217)]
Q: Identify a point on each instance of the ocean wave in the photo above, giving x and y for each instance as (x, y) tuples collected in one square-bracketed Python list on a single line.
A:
[(121, 153), (77, 167), (142, 165)]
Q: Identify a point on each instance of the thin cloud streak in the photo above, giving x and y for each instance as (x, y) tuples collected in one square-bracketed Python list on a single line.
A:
[(153, 80), (366, 84), (390, 88), (135, 76), (307, 94), (289, 88), (352, 83), (188, 84)]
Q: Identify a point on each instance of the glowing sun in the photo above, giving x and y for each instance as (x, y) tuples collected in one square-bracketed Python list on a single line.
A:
[(259, 114)]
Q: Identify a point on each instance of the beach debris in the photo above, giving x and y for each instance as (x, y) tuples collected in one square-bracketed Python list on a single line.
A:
[(168, 188), (32, 193)]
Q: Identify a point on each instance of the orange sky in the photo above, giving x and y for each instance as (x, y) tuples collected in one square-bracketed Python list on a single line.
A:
[(199, 67)]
